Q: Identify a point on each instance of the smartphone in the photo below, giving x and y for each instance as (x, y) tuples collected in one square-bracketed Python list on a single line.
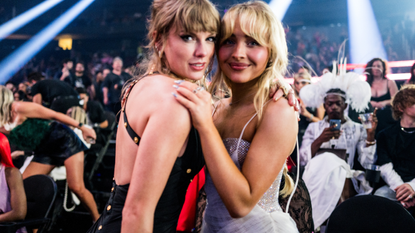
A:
[(336, 122)]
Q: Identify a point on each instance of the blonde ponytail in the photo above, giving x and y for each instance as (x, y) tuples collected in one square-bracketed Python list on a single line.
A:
[(288, 184)]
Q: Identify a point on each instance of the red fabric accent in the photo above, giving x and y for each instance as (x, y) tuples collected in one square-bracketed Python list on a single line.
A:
[(5, 155), (187, 217), (290, 164)]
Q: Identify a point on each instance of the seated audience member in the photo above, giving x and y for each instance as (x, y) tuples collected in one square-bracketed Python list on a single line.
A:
[(94, 110), (328, 151), (13, 205), (396, 150), (307, 114), (51, 93)]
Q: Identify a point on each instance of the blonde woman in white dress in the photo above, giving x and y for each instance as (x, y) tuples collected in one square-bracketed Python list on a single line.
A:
[(248, 139)]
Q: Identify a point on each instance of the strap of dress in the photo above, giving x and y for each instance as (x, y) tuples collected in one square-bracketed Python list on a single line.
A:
[(243, 130), (133, 135)]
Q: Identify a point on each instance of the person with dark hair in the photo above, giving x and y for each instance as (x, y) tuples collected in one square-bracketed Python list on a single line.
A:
[(80, 79), (396, 150), (10, 85), (329, 146), (51, 93), (412, 79), (94, 110), (98, 85), (13, 205), (383, 90), (66, 71)]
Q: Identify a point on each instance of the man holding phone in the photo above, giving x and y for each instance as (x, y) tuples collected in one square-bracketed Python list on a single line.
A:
[(328, 154)]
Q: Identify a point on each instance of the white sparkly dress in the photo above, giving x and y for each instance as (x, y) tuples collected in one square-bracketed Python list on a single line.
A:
[(267, 216)]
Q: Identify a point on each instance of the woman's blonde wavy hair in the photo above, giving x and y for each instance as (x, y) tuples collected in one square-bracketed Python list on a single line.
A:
[(259, 22), (6, 101), (189, 15)]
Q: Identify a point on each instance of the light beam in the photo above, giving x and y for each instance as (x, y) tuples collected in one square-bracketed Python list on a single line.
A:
[(365, 39), (11, 64), (18, 22)]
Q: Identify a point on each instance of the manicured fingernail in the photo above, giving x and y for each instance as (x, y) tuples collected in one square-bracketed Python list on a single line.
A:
[(174, 94), (179, 81), (175, 86)]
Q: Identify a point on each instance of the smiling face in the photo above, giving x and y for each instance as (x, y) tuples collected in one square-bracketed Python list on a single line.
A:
[(242, 58), (188, 54)]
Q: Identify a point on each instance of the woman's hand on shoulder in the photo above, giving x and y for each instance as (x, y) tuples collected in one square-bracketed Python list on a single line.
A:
[(197, 100), (283, 89)]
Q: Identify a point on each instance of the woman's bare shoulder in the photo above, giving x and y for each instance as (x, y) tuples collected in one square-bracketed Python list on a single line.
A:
[(279, 112)]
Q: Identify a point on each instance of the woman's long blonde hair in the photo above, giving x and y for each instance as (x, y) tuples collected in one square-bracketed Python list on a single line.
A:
[(6, 101), (257, 20), (189, 15)]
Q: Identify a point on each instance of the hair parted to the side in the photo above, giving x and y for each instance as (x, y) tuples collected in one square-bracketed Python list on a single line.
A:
[(6, 100), (188, 15), (403, 99), (259, 22), (5, 155), (369, 66)]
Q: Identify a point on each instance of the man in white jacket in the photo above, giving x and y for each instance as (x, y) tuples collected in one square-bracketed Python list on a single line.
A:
[(325, 174)]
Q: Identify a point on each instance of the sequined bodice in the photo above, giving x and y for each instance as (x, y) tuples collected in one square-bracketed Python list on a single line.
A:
[(268, 202)]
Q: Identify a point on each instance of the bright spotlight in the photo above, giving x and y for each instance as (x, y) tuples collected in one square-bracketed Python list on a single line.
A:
[(365, 39), (21, 20), (280, 7), (11, 64)]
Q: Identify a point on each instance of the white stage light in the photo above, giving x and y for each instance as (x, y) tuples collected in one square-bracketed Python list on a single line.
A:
[(365, 39), (280, 7), (11, 64), (18, 22)]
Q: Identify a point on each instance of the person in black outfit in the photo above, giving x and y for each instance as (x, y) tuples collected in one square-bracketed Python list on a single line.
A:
[(66, 71), (80, 79), (396, 150), (112, 86), (93, 109), (51, 93), (98, 85)]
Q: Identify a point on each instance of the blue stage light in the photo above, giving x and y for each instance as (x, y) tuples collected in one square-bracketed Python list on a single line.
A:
[(11, 64), (365, 39), (280, 7), (15, 24)]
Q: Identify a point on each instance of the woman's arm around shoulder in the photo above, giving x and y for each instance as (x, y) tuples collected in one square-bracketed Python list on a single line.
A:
[(163, 137), (17, 196)]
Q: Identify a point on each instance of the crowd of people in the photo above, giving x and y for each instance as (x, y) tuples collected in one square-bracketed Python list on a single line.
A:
[(169, 129)]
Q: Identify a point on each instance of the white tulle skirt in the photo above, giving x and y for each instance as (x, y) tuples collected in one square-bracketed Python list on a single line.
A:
[(257, 221)]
